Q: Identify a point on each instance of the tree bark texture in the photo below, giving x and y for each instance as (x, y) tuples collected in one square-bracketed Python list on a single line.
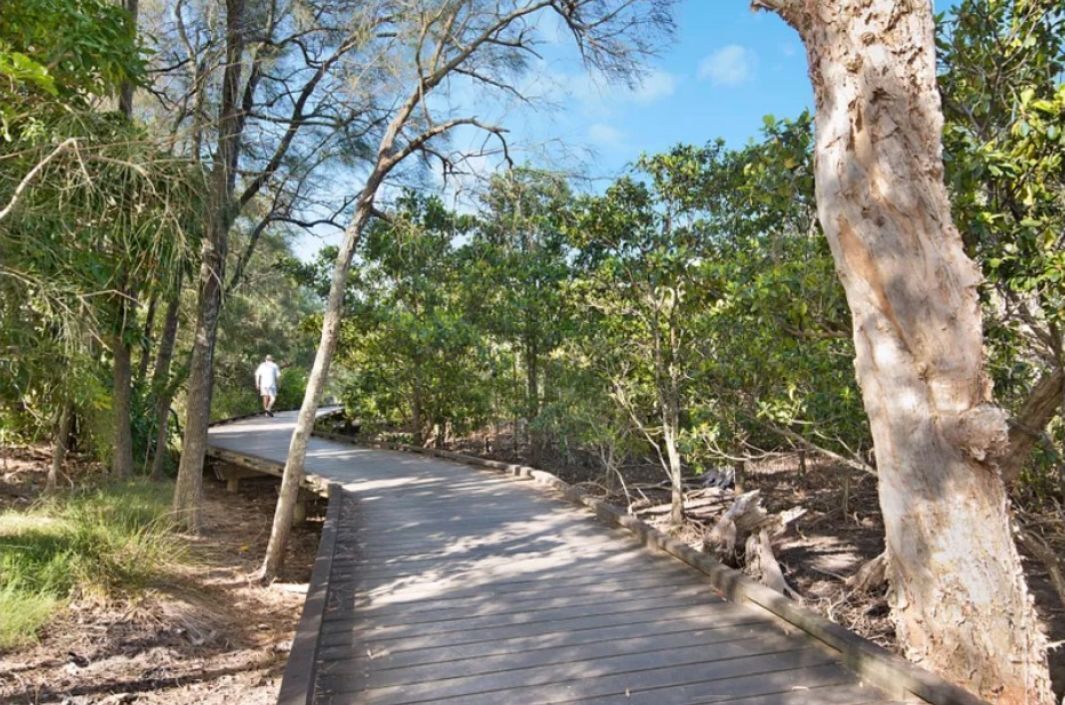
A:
[(122, 374), (416, 410), (670, 427), (959, 599), (189, 487), (59, 451), (162, 390)]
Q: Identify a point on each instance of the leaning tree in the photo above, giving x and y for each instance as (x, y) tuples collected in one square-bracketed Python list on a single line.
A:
[(432, 47), (959, 599)]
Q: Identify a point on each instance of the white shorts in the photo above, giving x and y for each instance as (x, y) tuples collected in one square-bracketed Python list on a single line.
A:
[(268, 392)]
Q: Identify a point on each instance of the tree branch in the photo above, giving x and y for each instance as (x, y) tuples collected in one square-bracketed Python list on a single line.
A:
[(29, 177)]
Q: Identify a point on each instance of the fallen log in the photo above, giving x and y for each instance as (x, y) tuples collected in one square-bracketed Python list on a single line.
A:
[(762, 564), (740, 519), (747, 523)]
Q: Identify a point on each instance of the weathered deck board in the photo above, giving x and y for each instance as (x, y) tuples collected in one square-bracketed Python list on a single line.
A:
[(452, 585)]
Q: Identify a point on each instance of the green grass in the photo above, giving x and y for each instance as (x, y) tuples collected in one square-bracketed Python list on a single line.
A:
[(106, 541)]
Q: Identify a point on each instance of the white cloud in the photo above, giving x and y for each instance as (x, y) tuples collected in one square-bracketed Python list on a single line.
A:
[(728, 66), (603, 134), (653, 86)]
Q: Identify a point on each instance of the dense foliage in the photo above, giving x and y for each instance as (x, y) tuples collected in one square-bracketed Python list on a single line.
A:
[(692, 308), (100, 225)]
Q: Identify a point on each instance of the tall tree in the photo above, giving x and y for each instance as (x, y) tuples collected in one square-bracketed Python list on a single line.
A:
[(643, 255), (220, 217), (959, 599), (410, 350), (314, 89), (122, 365), (443, 41)]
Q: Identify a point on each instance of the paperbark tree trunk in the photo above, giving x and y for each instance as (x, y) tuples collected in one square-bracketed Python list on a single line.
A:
[(670, 427), (162, 390), (959, 599), (59, 451), (189, 487)]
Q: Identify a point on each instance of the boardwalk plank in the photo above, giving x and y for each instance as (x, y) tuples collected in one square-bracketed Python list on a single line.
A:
[(580, 682), (463, 587), (742, 640), (402, 654)]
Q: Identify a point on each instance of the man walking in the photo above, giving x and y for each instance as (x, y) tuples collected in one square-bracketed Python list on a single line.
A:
[(266, 376)]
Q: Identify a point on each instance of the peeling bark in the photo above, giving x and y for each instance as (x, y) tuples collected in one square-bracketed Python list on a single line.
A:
[(871, 576), (959, 599)]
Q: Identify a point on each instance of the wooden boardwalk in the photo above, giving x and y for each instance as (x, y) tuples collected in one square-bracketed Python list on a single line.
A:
[(454, 585)]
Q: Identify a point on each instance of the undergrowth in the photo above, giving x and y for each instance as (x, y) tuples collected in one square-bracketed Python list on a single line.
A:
[(102, 542)]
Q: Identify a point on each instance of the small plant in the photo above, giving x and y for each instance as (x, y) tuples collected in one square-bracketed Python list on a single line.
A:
[(100, 542)]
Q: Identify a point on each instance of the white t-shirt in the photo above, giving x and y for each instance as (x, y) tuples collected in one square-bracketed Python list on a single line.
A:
[(266, 375)]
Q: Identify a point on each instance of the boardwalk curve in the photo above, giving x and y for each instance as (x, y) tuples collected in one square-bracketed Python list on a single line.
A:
[(452, 585)]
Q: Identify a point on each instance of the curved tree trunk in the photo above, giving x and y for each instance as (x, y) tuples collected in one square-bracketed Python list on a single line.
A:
[(959, 599), (189, 487), (297, 450)]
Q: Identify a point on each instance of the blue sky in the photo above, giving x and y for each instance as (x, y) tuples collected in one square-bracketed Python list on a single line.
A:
[(726, 67)]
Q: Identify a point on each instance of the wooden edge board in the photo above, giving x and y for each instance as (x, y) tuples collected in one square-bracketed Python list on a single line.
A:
[(298, 678), (876, 664)]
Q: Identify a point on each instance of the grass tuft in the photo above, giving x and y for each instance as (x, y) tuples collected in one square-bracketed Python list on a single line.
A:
[(105, 541)]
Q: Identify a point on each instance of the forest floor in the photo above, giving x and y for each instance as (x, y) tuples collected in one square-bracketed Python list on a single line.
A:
[(840, 531), (209, 635)]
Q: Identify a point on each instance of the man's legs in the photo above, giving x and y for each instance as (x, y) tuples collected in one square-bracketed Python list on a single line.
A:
[(269, 399)]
